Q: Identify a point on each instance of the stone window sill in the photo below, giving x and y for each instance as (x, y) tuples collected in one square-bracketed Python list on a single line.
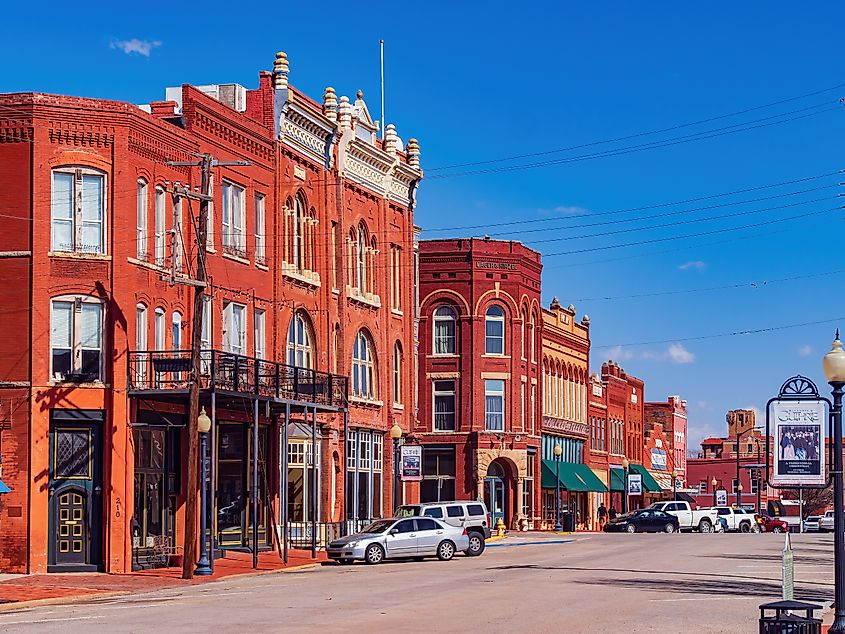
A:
[(235, 258), (368, 299), (147, 265), (311, 278), (365, 402), (74, 255)]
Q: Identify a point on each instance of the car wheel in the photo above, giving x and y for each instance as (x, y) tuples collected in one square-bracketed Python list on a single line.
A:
[(669, 528), (777, 529), (705, 526), (374, 554), (445, 550), (745, 527), (476, 545), (630, 528)]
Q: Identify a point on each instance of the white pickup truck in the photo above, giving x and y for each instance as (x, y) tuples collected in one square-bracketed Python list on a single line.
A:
[(702, 520), (742, 520)]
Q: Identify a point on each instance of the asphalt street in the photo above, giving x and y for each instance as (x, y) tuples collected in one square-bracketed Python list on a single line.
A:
[(588, 583)]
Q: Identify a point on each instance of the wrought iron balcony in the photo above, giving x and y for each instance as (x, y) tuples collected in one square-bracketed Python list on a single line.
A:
[(166, 371)]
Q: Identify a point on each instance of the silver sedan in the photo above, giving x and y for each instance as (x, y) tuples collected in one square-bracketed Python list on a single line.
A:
[(397, 538)]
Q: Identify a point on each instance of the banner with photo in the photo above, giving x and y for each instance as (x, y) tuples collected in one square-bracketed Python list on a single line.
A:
[(635, 484), (798, 446), (721, 497), (410, 457)]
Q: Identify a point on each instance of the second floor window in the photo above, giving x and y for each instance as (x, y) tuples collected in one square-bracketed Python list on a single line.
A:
[(258, 334), (444, 330), (260, 248), (234, 328), (234, 219), (397, 374), (300, 350), (141, 212), (78, 210), (494, 405), (160, 227), (444, 405), (76, 339), (363, 368), (494, 331)]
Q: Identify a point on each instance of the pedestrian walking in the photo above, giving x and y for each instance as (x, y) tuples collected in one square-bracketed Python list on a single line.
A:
[(611, 514), (602, 515)]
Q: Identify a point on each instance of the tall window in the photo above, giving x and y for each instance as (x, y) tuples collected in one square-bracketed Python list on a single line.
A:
[(234, 328), (178, 238), (234, 219), (297, 237), (209, 233), (532, 339), (141, 341), (444, 405), (78, 210), (160, 231), (528, 485), (361, 261), (364, 468), (260, 231), (159, 329), (76, 339), (176, 335), (444, 330), (494, 405), (333, 255), (524, 316), (141, 220), (494, 330), (205, 336), (258, 334), (395, 277), (397, 374), (300, 351), (363, 368)]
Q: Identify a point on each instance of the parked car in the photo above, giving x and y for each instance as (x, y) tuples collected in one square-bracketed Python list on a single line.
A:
[(826, 522), (702, 520), (739, 519), (414, 537), (772, 524), (811, 524), (468, 514), (643, 521)]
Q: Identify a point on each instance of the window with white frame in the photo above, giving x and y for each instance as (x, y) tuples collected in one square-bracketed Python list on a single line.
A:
[(142, 362), (300, 346), (532, 339), (260, 231), (397, 374), (178, 238), (334, 255), (141, 221), (494, 405), (443, 394), (301, 477), (209, 231), (395, 277), (159, 333), (234, 219), (207, 317), (234, 328), (523, 327), (160, 226), (444, 330), (363, 368), (76, 339), (361, 263), (494, 330), (258, 335), (702, 486), (298, 242), (78, 210), (364, 469), (528, 484), (176, 331)]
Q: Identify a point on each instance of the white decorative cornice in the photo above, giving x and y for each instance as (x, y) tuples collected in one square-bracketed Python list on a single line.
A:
[(307, 132)]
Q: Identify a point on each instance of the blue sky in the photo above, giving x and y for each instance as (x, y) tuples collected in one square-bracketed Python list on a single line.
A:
[(476, 82)]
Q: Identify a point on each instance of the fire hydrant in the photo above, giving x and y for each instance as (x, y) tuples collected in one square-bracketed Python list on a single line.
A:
[(500, 528)]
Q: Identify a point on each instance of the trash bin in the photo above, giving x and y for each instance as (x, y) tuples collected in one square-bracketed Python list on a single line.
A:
[(784, 622), (567, 521)]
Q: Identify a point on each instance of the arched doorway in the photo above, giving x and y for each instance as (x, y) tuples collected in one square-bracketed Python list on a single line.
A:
[(496, 492)]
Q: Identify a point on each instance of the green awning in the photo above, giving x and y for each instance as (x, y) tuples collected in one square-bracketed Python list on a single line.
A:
[(649, 483), (617, 480), (573, 477)]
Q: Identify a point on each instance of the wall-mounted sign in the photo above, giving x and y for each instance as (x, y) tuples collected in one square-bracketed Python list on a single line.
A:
[(635, 484), (507, 266), (798, 443), (658, 459), (299, 172), (721, 497), (410, 457), (550, 423)]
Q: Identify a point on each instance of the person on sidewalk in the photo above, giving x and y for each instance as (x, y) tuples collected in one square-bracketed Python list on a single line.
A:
[(611, 514), (602, 514)]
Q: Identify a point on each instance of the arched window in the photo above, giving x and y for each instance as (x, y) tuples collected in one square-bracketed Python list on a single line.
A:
[(176, 332), (300, 348), (532, 338), (444, 330), (397, 374), (159, 329), (524, 316), (141, 220), (141, 343), (361, 259), (363, 368), (494, 328), (298, 239)]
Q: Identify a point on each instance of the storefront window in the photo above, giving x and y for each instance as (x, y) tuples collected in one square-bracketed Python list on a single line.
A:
[(364, 474), (438, 474), (528, 485), (300, 478)]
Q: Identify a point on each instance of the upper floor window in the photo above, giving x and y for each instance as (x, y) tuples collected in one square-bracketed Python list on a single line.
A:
[(300, 350), (159, 333), (234, 328), (234, 219), (532, 339), (258, 333), (76, 339), (363, 368), (524, 316), (141, 220), (444, 405), (78, 210), (178, 238), (361, 262), (494, 330), (395, 277), (297, 236), (160, 226), (494, 405), (397, 374), (260, 229), (444, 330), (176, 335)]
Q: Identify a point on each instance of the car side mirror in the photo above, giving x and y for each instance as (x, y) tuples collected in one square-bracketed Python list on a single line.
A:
[(394, 531)]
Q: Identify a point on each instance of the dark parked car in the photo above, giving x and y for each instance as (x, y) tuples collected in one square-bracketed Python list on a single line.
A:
[(643, 521)]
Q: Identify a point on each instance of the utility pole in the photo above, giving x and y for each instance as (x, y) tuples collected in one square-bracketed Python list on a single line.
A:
[(205, 162)]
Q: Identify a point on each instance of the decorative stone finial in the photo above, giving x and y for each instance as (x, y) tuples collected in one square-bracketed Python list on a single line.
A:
[(391, 139), (585, 320), (330, 104), (571, 308), (412, 150), (555, 305), (280, 71), (359, 94), (345, 113)]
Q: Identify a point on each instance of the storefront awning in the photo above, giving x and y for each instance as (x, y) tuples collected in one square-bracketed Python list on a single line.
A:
[(649, 483), (4, 488), (617, 480), (573, 477)]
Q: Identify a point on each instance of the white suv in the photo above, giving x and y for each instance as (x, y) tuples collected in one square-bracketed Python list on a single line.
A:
[(468, 514)]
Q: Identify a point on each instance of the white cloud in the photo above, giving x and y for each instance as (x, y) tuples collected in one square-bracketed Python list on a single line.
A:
[(679, 354), (142, 47), (698, 265), (565, 210), (805, 351), (618, 353), (704, 405)]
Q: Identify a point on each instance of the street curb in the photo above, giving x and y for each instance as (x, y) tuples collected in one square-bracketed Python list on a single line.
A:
[(71, 599), (495, 538)]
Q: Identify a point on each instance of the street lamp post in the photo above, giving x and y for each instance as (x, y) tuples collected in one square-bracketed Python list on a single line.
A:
[(674, 484), (834, 370), (625, 465), (203, 426), (714, 482), (738, 494), (395, 435), (558, 451)]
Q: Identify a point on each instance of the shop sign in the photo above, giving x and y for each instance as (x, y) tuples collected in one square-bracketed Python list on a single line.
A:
[(410, 457), (658, 459), (721, 497), (565, 426), (635, 484)]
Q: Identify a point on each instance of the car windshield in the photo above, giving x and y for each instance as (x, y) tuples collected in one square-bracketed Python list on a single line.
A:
[(378, 527), (408, 510)]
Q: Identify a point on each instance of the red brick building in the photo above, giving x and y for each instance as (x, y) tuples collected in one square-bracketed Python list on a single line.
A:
[(310, 272), (479, 374), (669, 422)]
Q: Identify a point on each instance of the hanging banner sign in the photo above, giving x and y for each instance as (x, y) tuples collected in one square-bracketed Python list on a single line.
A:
[(410, 457), (798, 430), (635, 484), (721, 497)]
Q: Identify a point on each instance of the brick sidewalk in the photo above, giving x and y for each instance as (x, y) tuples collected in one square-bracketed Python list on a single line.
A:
[(71, 586)]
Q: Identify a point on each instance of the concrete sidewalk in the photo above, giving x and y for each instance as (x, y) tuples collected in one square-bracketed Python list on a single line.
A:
[(38, 589)]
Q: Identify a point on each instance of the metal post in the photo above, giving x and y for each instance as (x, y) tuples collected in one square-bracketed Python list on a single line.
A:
[(395, 474), (800, 509), (203, 568), (345, 514), (284, 486), (674, 488), (738, 489), (838, 626), (625, 492), (212, 485), (714, 495), (558, 526), (758, 476), (312, 498), (255, 492)]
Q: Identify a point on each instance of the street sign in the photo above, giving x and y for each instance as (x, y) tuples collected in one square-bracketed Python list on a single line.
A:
[(795, 423), (721, 497), (411, 459), (635, 484)]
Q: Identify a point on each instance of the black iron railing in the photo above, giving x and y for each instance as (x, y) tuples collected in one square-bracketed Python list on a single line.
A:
[(171, 370)]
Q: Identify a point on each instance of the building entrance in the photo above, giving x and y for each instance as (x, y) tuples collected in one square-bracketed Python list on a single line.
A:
[(495, 493)]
